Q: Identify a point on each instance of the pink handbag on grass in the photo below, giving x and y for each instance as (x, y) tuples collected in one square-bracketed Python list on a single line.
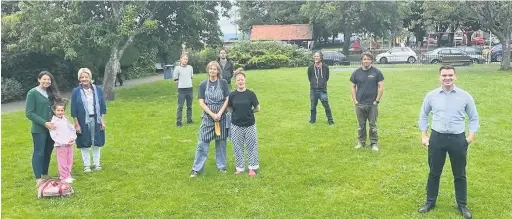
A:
[(54, 188)]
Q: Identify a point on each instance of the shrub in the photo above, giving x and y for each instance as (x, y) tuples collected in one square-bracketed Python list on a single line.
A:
[(144, 66), (11, 90), (194, 59), (199, 60), (268, 54), (254, 55), (267, 61), (209, 54)]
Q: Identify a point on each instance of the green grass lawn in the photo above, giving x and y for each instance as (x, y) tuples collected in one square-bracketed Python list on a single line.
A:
[(307, 171)]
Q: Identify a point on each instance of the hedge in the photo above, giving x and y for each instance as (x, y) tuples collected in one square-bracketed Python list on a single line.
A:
[(255, 55)]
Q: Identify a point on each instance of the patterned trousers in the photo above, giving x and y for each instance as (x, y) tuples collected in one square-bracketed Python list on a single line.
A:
[(241, 136)]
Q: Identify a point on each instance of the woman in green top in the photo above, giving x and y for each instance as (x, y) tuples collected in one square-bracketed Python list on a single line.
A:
[(38, 110)]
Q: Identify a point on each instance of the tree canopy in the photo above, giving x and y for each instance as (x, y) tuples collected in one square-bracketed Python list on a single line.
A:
[(90, 31)]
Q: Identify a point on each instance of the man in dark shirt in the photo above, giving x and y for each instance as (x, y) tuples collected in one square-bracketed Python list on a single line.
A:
[(318, 75), (367, 88)]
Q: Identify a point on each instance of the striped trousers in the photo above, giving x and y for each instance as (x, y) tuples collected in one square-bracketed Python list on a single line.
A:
[(241, 136)]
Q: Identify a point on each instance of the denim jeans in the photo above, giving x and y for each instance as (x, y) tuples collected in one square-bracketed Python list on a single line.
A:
[(322, 95)]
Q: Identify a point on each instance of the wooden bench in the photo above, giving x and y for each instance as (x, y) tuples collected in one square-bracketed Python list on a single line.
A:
[(456, 60)]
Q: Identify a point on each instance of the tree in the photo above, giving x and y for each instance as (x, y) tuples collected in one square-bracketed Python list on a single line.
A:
[(412, 15), (377, 18), (323, 18), (496, 17), (268, 12), (88, 30), (448, 16)]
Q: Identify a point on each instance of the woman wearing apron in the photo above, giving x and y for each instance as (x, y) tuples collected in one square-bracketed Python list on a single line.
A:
[(213, 99)]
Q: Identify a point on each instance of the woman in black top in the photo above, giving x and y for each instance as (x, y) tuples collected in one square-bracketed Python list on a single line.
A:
[(243, 103)]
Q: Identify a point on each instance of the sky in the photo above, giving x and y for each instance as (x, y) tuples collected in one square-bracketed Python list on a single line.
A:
[(227, 25)]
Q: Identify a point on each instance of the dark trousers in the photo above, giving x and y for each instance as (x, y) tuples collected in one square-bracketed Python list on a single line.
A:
[(184, 94), (457, 146), (43, 147), (322, 95), (370, 113)]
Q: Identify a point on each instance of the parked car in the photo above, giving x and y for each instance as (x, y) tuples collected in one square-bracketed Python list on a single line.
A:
[(497, 53), (471, 50), (335, 58), (429, 42), (397, 54), (435, 56), (494, 40), (478, 40)]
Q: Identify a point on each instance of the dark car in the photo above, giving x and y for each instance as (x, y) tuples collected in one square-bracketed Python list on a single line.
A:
[(335, 58), (435, 56), (471, 50), (497, 53)]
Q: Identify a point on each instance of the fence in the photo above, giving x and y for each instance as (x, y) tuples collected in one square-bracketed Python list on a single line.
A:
[(414, 56)]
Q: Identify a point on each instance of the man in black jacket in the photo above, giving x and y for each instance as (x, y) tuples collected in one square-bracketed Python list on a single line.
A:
[(226, 65), (318, 74)]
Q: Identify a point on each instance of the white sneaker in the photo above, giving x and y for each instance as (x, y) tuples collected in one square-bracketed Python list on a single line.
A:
[(87, 169), (358, 146), (97, 167), (375, 148)]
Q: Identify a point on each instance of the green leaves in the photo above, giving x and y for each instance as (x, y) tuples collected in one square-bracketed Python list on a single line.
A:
[(268, 54), (149, 25), (268, 12), (496, 17), (128, 20)]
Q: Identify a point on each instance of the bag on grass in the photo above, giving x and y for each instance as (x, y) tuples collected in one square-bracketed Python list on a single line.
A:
[(54, 188)]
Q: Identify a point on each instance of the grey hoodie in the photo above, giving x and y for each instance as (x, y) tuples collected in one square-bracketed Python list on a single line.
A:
[(318, 77)]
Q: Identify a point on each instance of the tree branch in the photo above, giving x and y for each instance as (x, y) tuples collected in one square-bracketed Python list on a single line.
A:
[(125, 45)]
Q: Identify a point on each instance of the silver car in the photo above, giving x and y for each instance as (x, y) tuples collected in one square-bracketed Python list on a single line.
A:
[(435, 56), (397, 55)]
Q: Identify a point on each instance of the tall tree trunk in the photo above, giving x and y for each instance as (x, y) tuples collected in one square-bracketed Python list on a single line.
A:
[(109, 79), (346, 42), (505, 63), (439, 37), (468, 37), (451, 39), (112, 67)]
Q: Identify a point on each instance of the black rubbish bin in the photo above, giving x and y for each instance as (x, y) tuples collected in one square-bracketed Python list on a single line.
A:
[(168, 70)]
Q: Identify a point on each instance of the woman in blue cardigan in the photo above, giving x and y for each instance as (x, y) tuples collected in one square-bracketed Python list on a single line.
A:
[(88, 110)]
